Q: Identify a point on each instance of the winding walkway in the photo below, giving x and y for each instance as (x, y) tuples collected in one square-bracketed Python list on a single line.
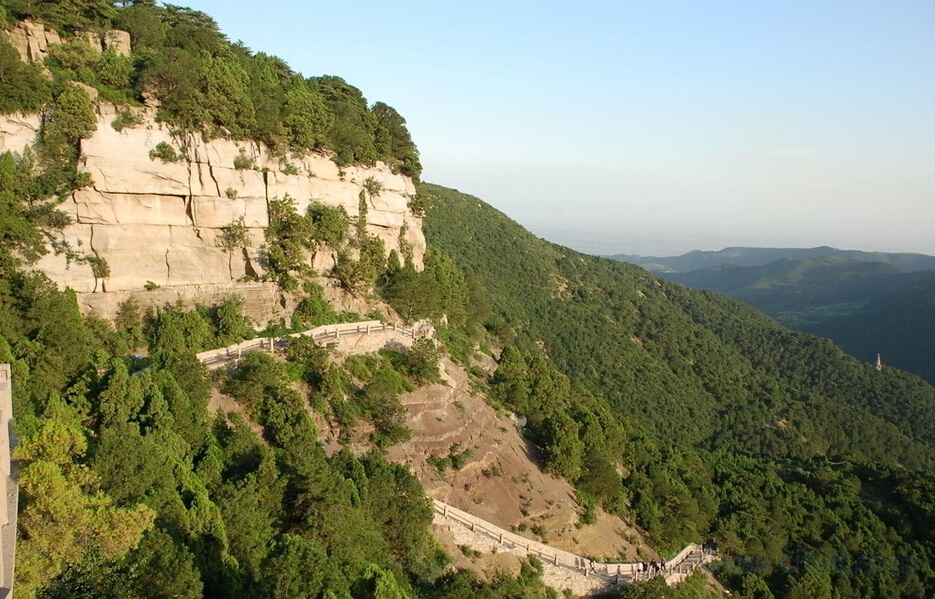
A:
[(563, 569), (581, 575), (217, 358)]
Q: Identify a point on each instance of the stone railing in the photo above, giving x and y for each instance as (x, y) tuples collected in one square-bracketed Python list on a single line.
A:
[(215, 358), (9, 490), (683, 564)]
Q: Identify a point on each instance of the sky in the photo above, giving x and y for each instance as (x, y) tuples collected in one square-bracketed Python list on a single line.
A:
[(649, 128)]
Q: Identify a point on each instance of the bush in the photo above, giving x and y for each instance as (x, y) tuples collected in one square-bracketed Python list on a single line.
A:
[(439, 463), (127, 119), (423, 361), (243, 162), (114, 69), (165, 152)]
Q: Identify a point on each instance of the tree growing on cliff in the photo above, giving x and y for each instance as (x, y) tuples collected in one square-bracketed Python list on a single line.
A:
[(287, 238), (393, 142), (22, 86), (234, 236), (100, 269), (372, 187), (69, 119), (19, 238)]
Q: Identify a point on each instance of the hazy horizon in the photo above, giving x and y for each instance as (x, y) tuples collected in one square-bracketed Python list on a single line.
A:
[(661, 127), (636, 245)]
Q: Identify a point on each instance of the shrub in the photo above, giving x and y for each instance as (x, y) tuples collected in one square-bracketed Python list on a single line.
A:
[(372, 187), (231, 193), (418, 203), (243, 162), (114, 69), (493, 471), (125, 119), (165, 152), (439, 463)]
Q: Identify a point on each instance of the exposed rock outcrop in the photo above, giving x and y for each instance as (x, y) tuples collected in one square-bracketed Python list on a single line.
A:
[(158, 223), (32, 40)]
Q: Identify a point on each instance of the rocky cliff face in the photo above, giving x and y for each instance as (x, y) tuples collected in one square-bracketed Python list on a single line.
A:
[(157, 223), (32, 40)]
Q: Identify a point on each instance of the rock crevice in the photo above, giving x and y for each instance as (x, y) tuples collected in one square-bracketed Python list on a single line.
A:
[(156, 220)]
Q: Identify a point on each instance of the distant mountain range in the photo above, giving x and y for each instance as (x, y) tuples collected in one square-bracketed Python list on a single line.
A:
[(744, 256), (866, 302)]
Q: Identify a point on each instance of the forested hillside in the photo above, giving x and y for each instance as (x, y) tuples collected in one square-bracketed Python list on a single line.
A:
[(775, 443), (692, 414), (865, 307), (129, 487)]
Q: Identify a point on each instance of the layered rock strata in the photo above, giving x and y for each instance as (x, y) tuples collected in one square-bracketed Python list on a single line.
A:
[(157, 223)]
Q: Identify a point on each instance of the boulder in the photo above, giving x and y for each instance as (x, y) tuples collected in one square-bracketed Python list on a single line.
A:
[(31, 40), (118, 40)]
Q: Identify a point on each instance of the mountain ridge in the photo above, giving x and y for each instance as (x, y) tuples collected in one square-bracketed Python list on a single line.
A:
[(755, 256), (867, 308)]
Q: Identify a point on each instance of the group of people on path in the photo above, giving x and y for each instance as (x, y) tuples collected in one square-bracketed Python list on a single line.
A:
[(651, 568)]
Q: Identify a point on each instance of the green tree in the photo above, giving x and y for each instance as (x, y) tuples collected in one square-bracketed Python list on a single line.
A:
[(330, 224), (162, 568), (22, 86), (70, 118), (300, 568), (562, 447), (393, 142), (422, 361), (19, 237), (231, 325), (63, 516), (114, 69), (307, 120), (351, 134), (288, 237)]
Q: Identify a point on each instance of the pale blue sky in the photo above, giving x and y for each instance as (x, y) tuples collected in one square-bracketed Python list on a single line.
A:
[(648, 127)]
